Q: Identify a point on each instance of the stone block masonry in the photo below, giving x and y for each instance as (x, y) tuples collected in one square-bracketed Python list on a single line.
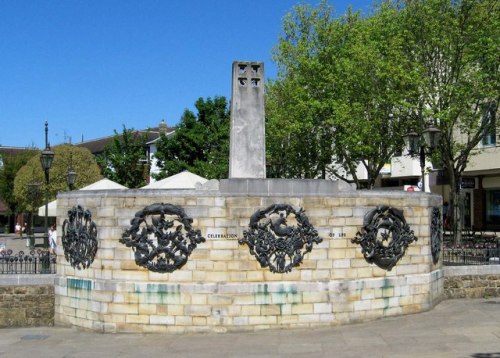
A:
[(472, 281), (222, 287), (26, 300), (459, 282)]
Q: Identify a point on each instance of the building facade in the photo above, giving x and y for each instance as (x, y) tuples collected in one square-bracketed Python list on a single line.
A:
[(479, 185)]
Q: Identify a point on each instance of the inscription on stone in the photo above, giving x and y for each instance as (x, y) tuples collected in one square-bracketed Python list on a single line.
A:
[(337, 233), (215, 233)]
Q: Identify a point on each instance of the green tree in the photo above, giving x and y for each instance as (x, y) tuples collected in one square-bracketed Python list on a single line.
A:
[(298, 124), (124, 159), (454, 46), (200, 143), (11, 165), (341, 83), (65, 156)]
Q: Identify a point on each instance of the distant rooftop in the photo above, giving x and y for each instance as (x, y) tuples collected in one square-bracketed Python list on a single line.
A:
[(14, 150), (97, 146)]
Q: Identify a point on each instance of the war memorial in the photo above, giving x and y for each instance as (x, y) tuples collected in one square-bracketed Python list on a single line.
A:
[(245, 253)]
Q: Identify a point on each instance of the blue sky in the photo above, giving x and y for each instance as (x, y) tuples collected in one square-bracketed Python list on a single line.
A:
[(89, 67)]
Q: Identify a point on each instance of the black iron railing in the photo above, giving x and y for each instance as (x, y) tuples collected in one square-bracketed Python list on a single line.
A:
[(34, 262), (471, 256)]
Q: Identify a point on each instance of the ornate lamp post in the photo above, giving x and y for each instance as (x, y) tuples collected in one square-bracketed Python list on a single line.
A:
[(423, 144), (46, 159), (71, 176), (33, 191)]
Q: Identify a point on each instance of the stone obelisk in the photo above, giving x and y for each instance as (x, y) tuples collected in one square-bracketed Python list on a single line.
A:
[(247, 154)]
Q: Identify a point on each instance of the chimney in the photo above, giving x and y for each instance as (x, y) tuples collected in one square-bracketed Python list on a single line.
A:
[(163, 126)]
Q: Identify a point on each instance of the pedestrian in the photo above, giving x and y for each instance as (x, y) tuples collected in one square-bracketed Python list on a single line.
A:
[(53, 239), (26, 230), (18, 229), (449, 221)]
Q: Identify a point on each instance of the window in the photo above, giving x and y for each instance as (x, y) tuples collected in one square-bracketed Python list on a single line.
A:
[(493, 207), (489, 118)]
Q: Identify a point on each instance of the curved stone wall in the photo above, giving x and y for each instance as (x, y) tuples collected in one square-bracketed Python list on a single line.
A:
[(222, 286)]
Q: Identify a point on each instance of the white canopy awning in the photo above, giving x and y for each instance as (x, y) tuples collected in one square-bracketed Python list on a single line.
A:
[(184, 180), (52, 209), (103, 184)]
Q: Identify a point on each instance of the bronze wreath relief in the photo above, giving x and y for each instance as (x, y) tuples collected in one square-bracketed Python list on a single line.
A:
[(384, 237), (79, 238), (436, 234), (162, 237), (274, 243)]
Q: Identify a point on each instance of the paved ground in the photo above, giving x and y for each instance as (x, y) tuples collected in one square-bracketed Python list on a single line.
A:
[(16, 244), (455, 328)]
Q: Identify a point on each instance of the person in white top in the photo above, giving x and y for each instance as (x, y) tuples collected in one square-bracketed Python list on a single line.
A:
[(53, 239)]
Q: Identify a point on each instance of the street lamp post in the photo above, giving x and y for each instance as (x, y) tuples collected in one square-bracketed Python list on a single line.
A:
[(423, 144), (33, 191), (71, 177), (46, 159)]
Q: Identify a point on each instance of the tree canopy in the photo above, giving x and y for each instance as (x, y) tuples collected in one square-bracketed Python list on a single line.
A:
[(65, 156), (124, 159), (200, 142), (11, 165), (349, 87), (340, 83), (454, 46)]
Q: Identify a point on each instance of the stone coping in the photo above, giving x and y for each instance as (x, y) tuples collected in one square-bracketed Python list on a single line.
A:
[(477, 270), (287, 187), (262, 188), (27, 280)]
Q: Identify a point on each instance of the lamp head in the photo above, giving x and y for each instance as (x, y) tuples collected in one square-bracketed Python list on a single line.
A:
[(432, 136), (71, 177), (412, 142), (46, 158)]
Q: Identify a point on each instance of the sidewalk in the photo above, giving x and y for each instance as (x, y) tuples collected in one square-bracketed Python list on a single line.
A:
[(16, 243), (455, 328)]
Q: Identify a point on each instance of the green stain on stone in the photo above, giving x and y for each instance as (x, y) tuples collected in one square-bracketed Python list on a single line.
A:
[(154, 293), (284, 295), (79, 284), (78, 288), (292, 295), (387, 289), (386, 303), (262, 296), (386, 283)]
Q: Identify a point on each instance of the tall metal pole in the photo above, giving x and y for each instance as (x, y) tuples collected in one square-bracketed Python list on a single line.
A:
[(46, 134), (422, 166), (46, 222), (46, 159)]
